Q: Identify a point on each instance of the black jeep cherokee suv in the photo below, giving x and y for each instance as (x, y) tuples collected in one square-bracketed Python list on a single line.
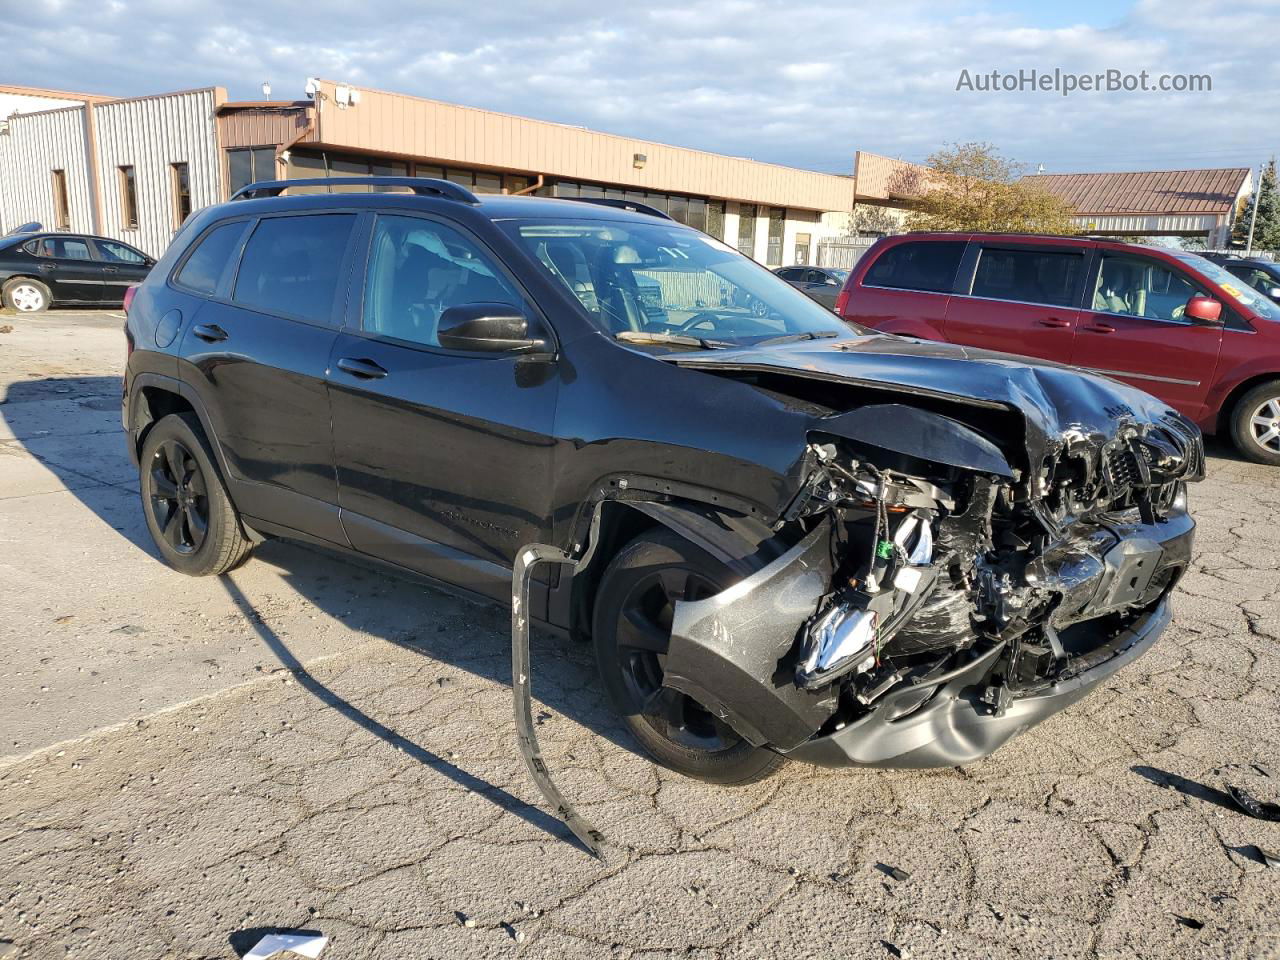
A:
[(786, 537)]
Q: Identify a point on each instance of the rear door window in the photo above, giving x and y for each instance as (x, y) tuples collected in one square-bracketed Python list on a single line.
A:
[(1029, 276), (212, 257), (291, 265), (60, 248), (920, 265)]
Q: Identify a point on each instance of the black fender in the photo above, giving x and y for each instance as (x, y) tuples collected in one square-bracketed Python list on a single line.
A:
[(729, 530), (136, 414)]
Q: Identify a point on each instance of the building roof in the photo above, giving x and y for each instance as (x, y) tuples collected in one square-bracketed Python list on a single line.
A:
[(1148, 192), (41, 92), (403, 125)]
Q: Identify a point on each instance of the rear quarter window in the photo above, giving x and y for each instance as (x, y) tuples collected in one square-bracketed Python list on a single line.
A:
[(290, 265), (211, 258), (924, 265)]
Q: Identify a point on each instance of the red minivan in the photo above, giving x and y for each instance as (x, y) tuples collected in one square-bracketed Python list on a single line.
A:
[(1169, 322)]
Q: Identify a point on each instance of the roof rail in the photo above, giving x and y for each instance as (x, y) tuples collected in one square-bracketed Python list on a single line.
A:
[(621, 205), (423, 186)]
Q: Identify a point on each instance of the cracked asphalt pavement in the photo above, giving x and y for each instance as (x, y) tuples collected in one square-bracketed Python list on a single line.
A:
[(312, 743)]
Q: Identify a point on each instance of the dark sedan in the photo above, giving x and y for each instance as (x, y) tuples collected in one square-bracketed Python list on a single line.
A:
[(821, 283), (1261, 275), (40, 270)]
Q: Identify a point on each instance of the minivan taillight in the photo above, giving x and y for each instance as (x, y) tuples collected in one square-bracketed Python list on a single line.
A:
[(842, 301), (129, 293)]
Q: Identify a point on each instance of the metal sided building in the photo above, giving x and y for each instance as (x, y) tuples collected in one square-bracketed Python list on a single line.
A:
[(132, 168), (125, 168)]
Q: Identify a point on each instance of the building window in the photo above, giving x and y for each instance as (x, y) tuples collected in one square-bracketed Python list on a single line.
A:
[(747, 229), (250, 165), (61, 208), (715, 219), (696, 212), (128, 198), (773, 252), (181, 193), (802, 247)]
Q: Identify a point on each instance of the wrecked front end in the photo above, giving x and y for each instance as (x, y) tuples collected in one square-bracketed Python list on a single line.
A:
[(939, 596)]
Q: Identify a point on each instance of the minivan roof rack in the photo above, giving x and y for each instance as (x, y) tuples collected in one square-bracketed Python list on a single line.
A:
[(621, 205), (423, 186)]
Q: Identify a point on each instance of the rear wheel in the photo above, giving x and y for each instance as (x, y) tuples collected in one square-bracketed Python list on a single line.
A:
[(1255, 423), (191, 518), (632, 633), (26, 295)]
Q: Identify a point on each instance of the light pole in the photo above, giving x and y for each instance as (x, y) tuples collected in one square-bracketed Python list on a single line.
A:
[(1253, 217)]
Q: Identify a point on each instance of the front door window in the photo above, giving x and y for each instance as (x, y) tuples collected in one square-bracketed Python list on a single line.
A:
[(418, 269), (1137, 287)]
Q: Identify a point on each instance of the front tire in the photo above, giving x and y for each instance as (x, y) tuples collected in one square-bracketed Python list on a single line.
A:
[(26, 295), (1255, 424), (631, 632), (191, 518)]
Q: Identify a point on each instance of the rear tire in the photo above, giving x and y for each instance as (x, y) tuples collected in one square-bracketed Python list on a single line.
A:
[(1255, 424), (191, 518), (631, 627), (26, 295)]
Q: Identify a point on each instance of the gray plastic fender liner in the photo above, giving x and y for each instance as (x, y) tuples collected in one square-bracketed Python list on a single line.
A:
[(735, 652), (740, 542), (521, 578)]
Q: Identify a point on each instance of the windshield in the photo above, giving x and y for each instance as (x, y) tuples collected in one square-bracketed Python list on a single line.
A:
[(665, 285), (1233, 285)]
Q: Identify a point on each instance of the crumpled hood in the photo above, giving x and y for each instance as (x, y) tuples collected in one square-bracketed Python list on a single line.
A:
[(1056, 401)]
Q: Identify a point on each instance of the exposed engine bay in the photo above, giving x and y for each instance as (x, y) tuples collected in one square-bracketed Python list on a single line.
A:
[(919, 566), (932, 561)]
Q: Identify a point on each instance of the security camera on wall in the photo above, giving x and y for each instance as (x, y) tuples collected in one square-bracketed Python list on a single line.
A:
[(312, 87)]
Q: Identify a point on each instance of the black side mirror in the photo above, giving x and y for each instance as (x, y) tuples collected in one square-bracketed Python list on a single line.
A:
[(488, 328)]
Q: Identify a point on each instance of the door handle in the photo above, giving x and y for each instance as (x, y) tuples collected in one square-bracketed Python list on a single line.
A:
[(1055, 322), (364, 369), (209, 332), (1099, 328), (110, 270)]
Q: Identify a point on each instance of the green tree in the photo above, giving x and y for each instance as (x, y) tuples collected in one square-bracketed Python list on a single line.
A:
[(969, 186), (1266, 231)]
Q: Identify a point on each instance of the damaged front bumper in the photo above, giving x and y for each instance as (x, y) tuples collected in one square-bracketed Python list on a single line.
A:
[(956, 725), (736, 653)]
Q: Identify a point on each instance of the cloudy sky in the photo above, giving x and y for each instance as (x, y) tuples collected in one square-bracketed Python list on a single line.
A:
[(800, 83)]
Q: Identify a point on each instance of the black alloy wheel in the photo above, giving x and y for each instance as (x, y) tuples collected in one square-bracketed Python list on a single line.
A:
[(631, 631), (179, 497)]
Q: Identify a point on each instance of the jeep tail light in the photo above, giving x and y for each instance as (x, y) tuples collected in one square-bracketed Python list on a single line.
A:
[(842, 301), (129, 293)]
